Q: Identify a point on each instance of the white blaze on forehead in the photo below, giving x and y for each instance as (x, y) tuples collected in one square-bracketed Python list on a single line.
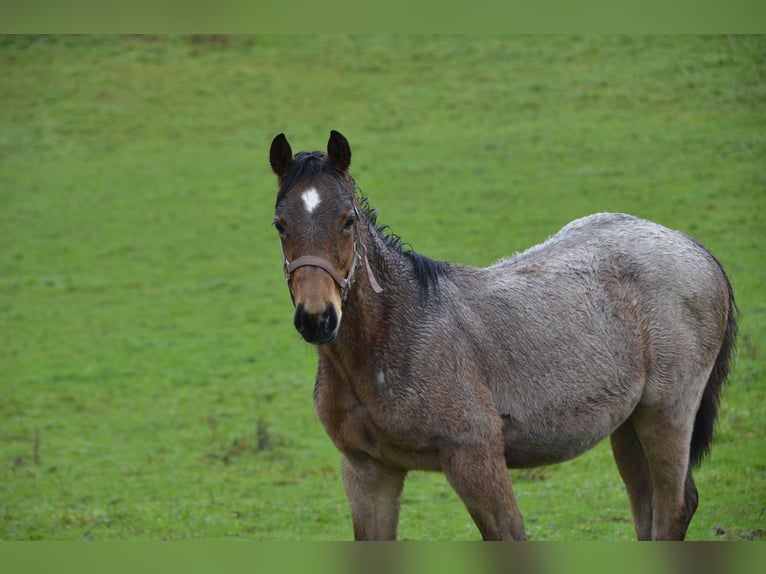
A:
[(310, 199)]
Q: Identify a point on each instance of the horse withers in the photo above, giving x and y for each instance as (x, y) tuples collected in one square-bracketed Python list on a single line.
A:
[(614, 327)]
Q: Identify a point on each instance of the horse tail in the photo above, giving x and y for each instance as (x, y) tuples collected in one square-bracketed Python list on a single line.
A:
[(704, 422)]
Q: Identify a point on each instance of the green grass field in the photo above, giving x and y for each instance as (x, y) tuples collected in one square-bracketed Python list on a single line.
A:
[(152, 386)]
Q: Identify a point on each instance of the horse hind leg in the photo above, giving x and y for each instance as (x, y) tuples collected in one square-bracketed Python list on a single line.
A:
[(636, 474), (691, 499), (665, 440), (634, 470)]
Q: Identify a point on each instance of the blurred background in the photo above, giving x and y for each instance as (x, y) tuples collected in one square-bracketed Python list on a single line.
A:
[(151, 383)]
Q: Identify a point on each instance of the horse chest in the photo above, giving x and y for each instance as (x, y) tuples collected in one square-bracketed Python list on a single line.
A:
[(357, 431)]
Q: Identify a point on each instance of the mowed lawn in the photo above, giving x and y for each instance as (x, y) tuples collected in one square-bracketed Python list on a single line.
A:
[(152, 386)]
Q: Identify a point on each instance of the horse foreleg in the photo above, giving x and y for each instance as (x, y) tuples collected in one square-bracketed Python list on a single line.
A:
[(374, 494), (479, 476)]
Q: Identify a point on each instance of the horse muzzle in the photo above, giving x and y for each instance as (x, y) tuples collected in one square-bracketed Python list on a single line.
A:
[(317, 328)]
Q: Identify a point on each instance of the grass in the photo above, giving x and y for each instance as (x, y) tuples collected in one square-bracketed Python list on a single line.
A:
[(151, 383)]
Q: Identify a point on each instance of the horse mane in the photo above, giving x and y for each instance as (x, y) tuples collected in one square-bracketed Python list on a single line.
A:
[(427, 271)]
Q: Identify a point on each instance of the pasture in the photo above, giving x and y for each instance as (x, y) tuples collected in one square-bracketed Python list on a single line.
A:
[(152, 386)]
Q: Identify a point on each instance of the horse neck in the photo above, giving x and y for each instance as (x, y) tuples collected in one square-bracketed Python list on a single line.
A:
[(373, 324), (365, 312)]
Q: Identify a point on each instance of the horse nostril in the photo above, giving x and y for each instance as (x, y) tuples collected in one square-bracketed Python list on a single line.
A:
[(329, 321), (301, 319)]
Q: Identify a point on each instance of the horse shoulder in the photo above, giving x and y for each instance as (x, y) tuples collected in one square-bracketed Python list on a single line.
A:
[(379, 423), (340, 410)]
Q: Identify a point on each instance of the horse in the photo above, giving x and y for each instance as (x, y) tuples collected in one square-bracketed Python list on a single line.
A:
[(614, 327)]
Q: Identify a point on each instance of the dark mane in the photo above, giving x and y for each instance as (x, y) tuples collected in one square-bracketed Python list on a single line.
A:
[(427, 271)]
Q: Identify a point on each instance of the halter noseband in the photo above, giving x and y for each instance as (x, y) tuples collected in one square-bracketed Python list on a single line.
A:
[(313, 261), (343, 282)]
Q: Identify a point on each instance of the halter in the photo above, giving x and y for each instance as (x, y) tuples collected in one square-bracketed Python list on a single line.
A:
[(343, 282)]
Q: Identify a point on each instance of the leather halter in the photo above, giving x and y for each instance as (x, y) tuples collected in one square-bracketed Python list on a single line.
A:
[(343, 282)]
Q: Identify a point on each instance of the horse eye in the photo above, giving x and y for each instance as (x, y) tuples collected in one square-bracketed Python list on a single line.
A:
[(349, 223), (279, 227)]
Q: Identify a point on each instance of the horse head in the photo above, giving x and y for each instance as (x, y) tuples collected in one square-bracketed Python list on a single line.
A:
[(316, 218)]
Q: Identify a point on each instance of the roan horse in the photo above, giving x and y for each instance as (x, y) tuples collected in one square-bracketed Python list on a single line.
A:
[(615, 326)]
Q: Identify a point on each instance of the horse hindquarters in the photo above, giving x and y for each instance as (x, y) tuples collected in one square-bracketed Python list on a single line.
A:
[(656, 448)]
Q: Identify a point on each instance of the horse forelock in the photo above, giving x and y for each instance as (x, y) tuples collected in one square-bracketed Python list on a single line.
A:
[(306, 166)]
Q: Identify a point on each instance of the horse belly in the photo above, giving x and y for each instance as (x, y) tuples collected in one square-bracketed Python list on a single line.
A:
[(566, 374), (551, 436)]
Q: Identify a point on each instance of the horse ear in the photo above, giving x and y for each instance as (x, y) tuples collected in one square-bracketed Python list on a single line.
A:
[(281, 156), (338, 151)]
